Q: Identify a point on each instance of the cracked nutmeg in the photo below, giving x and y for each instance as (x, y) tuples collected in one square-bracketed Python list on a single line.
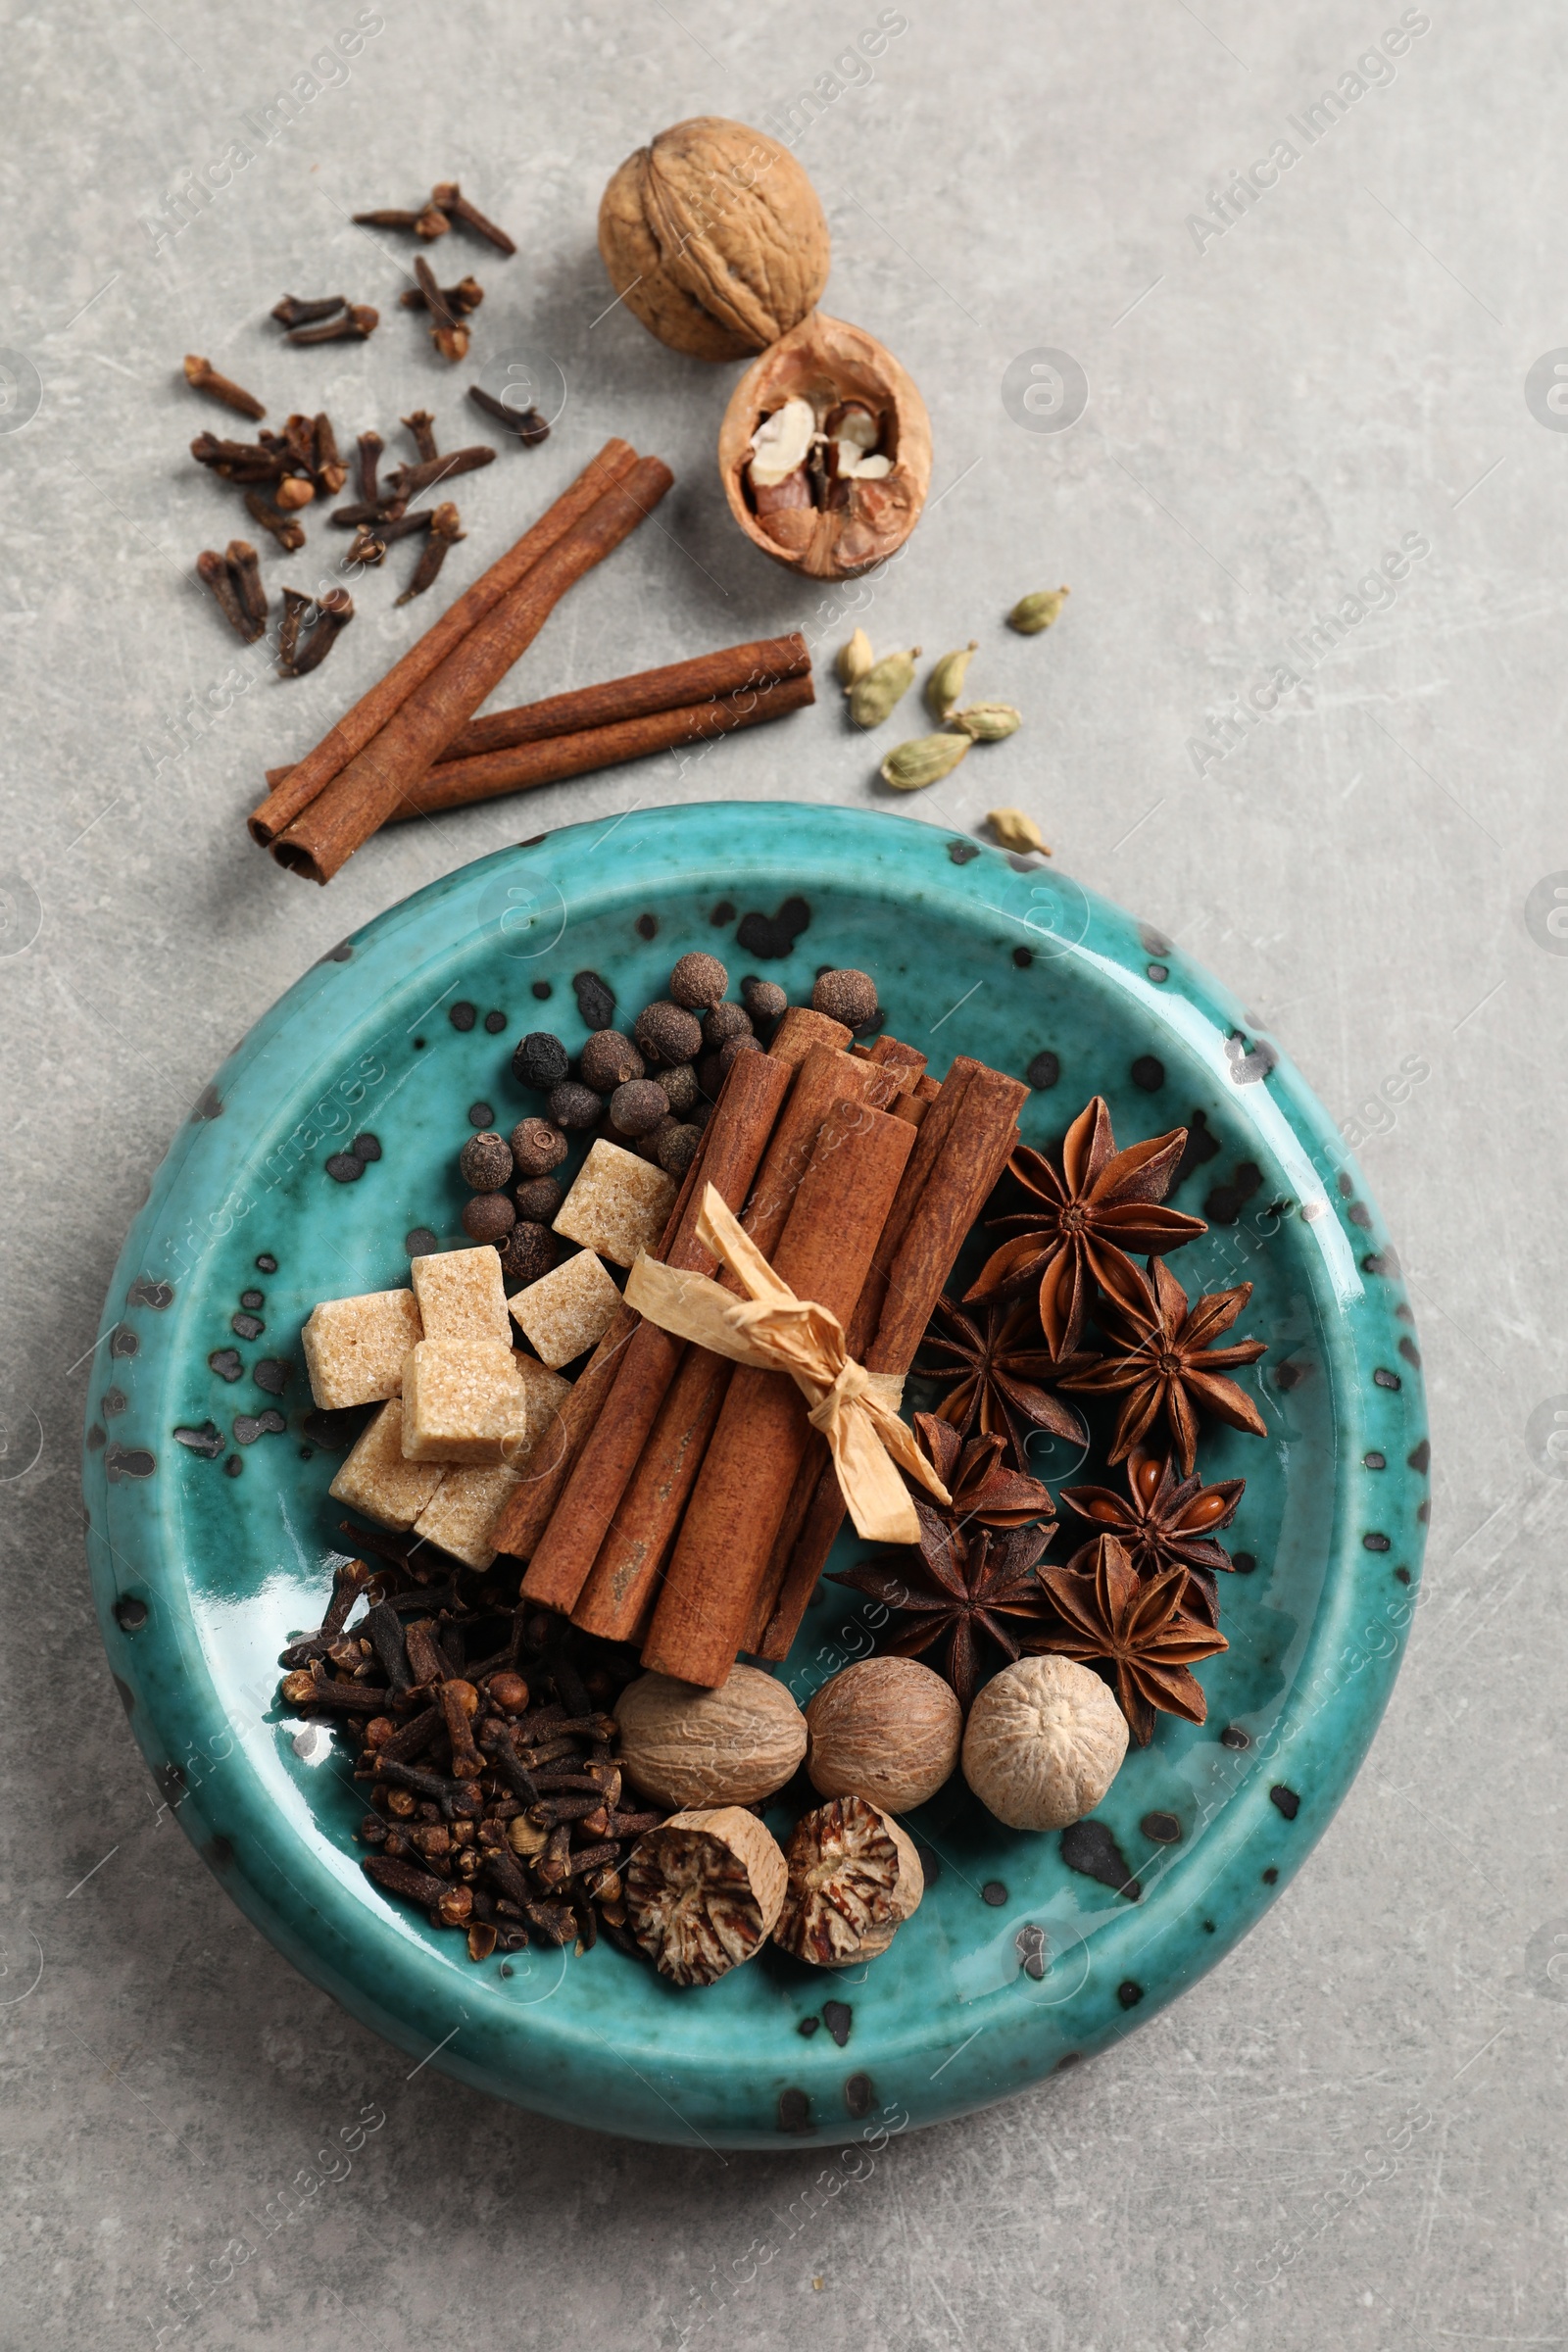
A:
[(855, 1878), (825, 450), (713, 237), (704, 1892)]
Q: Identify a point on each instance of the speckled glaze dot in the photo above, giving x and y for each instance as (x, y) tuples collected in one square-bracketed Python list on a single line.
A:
[(539, 1199), (574, 1106), (723, 913), (1286, 1800), (845, 995), (1022, 958), (648, 926), (226, 1363), (1129, 1994), (481, 1115), (537, 1147), (668, 1033), (253, 1299), (1159, 973), (1044, 1071), (420, 1241), (722, 1023), (1233, 1736), (485, 1162), (267, 1263), (488, 1216), (697, 981), (542, 988), (1148, 1073), (637, 1107), (596, 1000), (963, 852), (1161, 1828), (463, 1014), (344, 1168), (994, 1893), (608, 1061), (495, 1022), (246, 1327), (233, 1466)]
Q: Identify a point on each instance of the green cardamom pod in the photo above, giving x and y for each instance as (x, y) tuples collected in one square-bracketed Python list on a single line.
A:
[(872, 698), (855, 659), (946, 682), (987, 722), (910, 767), (1014, 829), (1032, 613)]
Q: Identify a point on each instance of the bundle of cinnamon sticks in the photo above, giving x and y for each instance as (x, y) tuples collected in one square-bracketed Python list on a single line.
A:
[(411, 746), (689, 1506)]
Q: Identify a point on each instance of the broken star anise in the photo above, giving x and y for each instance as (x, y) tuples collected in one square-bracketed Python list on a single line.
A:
[(969, 1589), (982, 1486), (1166, 1522), (1140, 1629), (1088, 1212), (1160, 1358), (995, 1375)]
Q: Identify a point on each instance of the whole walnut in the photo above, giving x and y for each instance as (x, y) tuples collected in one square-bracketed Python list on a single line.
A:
[(713, 238)]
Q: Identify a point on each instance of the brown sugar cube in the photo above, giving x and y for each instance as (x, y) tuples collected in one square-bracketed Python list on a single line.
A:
[(377, 1481), (462, 1516), (617, 1206), (566, 1310), (461, 1405), (355, 1347), (461, 1295), (545, 1392)]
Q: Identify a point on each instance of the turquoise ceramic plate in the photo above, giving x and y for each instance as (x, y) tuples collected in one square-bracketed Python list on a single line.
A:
[(206, 1555)]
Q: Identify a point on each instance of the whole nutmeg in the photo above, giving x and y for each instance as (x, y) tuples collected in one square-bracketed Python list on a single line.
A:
[(697, 981), (855, 1878), (537, 1146), (848, 996), (886, 1728), (574, 1106), (637, 1107), (488, 1217), (713, 238), (485, 1162), (825, 450), (529, 1251), (668, 1033), (704, 1891), (1044, 1742), (724, 1022), (607, 1061), (539, 1199), (685, 1746)]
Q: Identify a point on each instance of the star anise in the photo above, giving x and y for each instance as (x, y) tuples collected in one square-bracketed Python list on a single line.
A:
[(965, 1588), (995, 1375), (1091, 1210), (1166, 1522), (982, 1486), (1161, 1359), (1140, 1631)]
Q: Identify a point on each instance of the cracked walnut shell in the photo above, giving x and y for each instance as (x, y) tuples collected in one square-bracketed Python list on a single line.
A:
[(704, 1892), (834, 492), (1044, 1741), (854, 1879), (684, 1747), (713, 237)]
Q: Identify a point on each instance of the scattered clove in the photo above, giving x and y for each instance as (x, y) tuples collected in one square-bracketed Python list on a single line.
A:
[(410, 480), (203, 377), (295, 608), (443, 529), (420, 427), (330, 471), (466, 296), (368, 545), (292, 312), (290, 534), (237, 461), (450, 199), (430, 223), (246, 572), (356, 322), (334, 612), (527, 425), (371, 446), (213, 570)]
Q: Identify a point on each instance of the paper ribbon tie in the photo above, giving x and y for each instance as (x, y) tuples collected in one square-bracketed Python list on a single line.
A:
[(855, 1410)]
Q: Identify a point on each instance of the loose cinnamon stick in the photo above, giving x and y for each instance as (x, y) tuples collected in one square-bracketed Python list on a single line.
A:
[(722, 1554), (370, 714), (458, 783), (621, 1586), (800, 1028), (972, 1148), (363, 793), (735, 1139)]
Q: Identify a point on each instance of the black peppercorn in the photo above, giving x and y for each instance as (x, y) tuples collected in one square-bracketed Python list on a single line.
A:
[(847, 996), (722, 1023), (697, 981), (527, 1252), (488, 1216), (637, 1107), (485, 1162), (668, 1033), (537, 1146), (540, 1061), (573, 1106), (539, 1199), (608, 1061), (763, 999)]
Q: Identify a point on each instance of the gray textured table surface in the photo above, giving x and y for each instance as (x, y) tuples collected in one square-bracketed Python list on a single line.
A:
[(1351, 2133)]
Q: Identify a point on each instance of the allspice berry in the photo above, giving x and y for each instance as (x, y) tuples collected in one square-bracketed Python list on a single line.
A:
[(485, 1162), (637, 1107), (529, 1251), (539, 1199), (697, 981), (488, 1217), (607, 1061), (680, 1088), (574, 1106), (677, 1149), (848, 996), (763, 999), (885, 1729), (668, 1033), (724, 1022), (1044, 1742), (537, 1146), (540, 1061), (733, 1046), (682, 1745)]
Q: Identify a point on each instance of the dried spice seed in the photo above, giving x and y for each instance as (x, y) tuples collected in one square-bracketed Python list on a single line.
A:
[(1140, 1629), (1088, 1848), (994, 1373), (527, 425), (1162, 1361), (203, 377)]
